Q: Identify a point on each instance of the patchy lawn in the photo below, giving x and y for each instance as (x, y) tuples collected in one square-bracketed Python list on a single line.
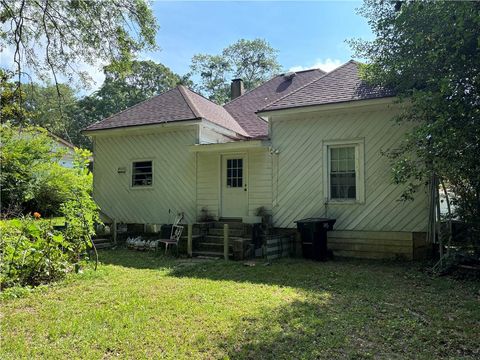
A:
[(139, 305)]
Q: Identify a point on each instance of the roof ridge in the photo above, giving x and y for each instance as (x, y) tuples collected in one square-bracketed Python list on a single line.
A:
[(309, 83), (266, 82), (182, 90), (185, 90), (130, 107)]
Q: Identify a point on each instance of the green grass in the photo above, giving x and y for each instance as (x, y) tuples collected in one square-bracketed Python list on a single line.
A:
[(139, 305)]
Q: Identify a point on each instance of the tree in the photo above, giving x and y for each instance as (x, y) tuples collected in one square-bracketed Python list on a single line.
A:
[(50, 37), (254, 61), (429, 53), (45, 109), (121, 90), (24, 153), (214, 71), (11, 99)]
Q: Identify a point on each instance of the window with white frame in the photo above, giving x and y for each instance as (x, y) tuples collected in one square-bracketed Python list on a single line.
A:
[(344, 171), (142, 173)]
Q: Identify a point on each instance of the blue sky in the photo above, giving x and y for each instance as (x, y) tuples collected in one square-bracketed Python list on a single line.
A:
[(305, 33)]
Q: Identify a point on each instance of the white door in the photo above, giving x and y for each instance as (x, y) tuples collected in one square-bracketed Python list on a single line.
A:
[(234, 186)]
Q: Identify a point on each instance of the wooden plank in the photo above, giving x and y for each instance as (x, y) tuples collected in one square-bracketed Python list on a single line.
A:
[(392, 242), (225, 241), (371, 248), (189, 239), (370, 254), (371, 235)]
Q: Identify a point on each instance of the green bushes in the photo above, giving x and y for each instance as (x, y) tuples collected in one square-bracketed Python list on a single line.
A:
[(32, 252), (31, 178)]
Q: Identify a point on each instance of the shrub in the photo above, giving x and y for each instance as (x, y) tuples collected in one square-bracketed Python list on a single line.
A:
[(32, 252), (31, 178)]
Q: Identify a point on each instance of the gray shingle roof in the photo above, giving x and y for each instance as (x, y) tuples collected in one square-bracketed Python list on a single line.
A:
[(244, 107), (340, 85), (177, 104)]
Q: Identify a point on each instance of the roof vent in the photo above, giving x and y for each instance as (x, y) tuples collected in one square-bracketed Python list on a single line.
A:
[(290, 75)]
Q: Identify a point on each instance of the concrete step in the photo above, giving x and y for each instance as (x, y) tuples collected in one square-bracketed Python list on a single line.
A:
[(231, 232)]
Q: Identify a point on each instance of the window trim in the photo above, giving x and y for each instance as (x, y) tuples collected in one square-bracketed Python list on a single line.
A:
[(359, 145), (138, 187)]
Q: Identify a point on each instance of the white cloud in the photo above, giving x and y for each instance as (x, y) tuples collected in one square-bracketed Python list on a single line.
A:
[(325, 65)]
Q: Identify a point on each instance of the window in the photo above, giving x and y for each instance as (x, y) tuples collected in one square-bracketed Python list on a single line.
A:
[(142, 173), (234, 172), (344, 171)]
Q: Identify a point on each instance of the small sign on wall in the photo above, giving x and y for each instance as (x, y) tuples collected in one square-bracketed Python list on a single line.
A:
[(122, 170)]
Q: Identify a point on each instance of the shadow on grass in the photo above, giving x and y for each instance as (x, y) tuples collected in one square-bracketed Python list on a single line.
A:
[(121, 256), (298, 273), (313, 328)]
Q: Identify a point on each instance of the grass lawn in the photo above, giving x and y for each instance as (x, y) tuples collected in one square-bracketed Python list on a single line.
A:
[(141, 305)]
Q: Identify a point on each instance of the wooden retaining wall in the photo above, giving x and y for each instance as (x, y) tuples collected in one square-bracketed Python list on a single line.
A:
[(377, 244)]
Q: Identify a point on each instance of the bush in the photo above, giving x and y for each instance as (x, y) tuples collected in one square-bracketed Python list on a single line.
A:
[(32, 180), (32, 252)]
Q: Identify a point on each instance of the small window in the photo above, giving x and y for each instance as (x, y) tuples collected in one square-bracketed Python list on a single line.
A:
[(342, 173), (142, 173), (234, 173)]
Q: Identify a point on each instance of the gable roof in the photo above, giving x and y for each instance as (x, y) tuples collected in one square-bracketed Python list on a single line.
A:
[(177, 104), (339, 85), (244, 107)]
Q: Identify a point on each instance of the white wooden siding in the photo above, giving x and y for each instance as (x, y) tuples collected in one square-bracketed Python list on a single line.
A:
[(174, 176), (208, 182), (298, 190), (210, 136)]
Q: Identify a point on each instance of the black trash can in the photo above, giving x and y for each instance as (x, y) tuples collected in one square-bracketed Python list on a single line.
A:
[(313, 233)]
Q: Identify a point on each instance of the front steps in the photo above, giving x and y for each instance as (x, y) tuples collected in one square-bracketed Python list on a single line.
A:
[(211, 244)]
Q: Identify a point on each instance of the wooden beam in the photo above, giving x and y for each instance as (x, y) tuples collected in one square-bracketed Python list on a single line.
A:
[(189, 239), (225, 241)]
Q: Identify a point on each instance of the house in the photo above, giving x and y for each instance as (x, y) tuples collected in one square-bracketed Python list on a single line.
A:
[(65, 147), (305, 144)]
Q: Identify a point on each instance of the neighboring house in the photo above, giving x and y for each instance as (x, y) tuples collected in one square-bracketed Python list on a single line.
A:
[(66, 147), (304, 144)]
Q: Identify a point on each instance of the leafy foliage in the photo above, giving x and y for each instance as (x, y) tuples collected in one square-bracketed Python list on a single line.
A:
[(254, 61), (32, 251), (429, 53), (32, 179), (25, 152), (214, 71), (11, 99), (50, 37), (52, 107)]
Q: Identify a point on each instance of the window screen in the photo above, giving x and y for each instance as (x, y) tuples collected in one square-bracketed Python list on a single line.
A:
[(342, 173), (234, 172), (142, 173)]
